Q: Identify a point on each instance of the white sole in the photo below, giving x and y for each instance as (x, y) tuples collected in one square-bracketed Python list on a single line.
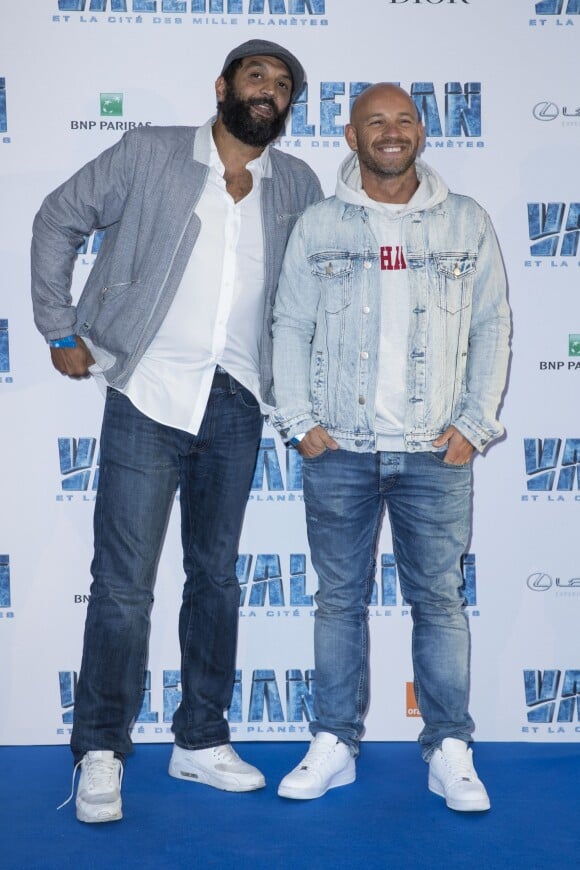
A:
[(478, 806), (343, 777), (205, 778)]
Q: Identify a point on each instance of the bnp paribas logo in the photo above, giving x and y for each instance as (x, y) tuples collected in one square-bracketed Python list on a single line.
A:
[(111, 105), (572, 364)]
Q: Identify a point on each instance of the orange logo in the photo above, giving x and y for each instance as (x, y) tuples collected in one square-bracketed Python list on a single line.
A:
[(412, 706)]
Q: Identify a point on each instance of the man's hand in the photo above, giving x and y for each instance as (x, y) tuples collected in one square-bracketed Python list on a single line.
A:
[(459, 450), (72, 361), (315, 442)]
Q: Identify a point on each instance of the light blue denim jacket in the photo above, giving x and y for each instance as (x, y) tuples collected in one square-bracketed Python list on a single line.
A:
[(144, 191), (327, 324)]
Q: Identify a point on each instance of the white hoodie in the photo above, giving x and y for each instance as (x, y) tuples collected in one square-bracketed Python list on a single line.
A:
[(386, 224)]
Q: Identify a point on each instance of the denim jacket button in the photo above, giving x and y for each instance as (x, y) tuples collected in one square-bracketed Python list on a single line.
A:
[(364, 354), (366, 310), (361, 400), (358, 443), (367, 264)]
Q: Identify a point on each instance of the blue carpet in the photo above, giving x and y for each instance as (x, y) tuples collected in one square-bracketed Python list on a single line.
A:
[(387, 819)]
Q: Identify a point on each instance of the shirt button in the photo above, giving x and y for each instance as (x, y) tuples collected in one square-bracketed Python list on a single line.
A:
[(364, 355), (361, 400), (367, 264), (366, 310)]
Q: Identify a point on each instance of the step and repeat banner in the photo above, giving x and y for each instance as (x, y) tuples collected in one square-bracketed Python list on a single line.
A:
[(496, 88)]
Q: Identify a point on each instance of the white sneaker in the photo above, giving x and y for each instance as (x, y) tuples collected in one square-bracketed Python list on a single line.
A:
[(452, 776), (99, 791), (219, 766), (327, 764)]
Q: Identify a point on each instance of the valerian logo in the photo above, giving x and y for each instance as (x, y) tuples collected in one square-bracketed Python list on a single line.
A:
[(3, 111), (555, 12), (552, 469), (552, 699), (5, 599), (5, 376), (554, 233), (558, 7), (250, 13)]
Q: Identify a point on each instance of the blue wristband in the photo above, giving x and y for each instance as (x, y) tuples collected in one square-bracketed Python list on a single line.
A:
[(297, 439), (67, 341)]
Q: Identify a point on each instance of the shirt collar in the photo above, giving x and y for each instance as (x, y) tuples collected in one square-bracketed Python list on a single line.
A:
[(205, 151)]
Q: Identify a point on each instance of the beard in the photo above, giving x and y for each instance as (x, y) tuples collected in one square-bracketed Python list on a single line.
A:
[(375, 166), (238, 120)]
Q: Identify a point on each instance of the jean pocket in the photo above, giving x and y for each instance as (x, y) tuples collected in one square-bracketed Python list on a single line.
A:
[(317, 458), (247, 398), (439, 458)]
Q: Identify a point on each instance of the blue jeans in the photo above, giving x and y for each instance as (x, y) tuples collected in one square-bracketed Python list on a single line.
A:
[(142, 464), (429, 506)]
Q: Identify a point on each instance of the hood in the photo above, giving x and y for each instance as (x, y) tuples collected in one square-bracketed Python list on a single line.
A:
[(432, 189)]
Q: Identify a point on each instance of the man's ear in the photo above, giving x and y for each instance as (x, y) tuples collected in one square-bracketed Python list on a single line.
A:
[(350, 136), (220, 88)]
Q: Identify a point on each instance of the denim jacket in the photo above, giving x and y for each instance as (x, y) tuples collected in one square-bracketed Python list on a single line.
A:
[(327, 325), (144, 191)]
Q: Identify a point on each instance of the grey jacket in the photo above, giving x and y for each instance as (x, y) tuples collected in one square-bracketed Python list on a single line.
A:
[(143, 191)]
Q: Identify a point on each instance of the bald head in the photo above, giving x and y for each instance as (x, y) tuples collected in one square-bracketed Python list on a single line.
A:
[(382, 93), (386, 133)]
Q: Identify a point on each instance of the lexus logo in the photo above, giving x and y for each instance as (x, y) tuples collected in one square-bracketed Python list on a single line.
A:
[(539, 582), (546, 111)]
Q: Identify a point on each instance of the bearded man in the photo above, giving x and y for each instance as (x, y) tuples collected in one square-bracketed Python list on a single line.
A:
[(174, 324)]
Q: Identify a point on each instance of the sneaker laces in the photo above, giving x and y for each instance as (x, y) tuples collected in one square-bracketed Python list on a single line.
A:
[(460, 767), (99, 773), (317, 753), (227, 753)]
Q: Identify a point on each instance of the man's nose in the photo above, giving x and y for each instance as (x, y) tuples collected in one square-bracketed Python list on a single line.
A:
[(268, 87)]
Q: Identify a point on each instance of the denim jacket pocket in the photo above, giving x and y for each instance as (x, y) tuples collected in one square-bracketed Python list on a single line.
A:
[(334, 271), (455, 272)]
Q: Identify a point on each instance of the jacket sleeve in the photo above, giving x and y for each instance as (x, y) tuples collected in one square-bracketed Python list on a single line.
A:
[(91, 199), (488, 346), (295, 314), (314, 192)]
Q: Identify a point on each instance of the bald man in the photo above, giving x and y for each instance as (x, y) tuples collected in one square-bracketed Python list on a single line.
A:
[(391, 344)]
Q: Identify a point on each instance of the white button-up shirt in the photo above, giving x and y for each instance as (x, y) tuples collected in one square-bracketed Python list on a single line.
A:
[(216, 315)]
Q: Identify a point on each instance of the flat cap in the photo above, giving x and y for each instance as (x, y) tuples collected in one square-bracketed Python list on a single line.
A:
[(270, 49)]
